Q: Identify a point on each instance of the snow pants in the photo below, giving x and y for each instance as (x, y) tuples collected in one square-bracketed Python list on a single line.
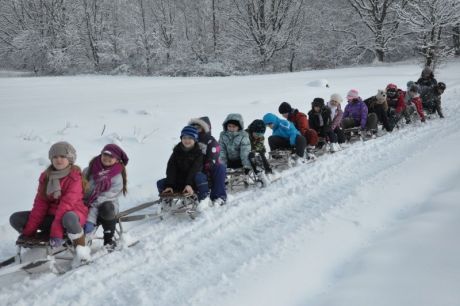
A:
[(383, 117), (217, 175), (70, 222), (200, 185), (258, 160), (371, 123), (106, 218), (340, 134), (280, 143)]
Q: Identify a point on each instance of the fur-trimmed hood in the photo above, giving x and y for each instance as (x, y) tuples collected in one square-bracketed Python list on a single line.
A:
[(203, 122)]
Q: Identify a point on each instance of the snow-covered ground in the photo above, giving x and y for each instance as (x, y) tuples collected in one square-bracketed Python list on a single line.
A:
[(371, 225)]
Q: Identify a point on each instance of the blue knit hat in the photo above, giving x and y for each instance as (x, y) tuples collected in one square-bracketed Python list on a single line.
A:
[(189, 131)]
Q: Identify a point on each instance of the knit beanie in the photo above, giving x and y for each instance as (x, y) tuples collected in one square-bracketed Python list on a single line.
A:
[(234, 122), (257, 126), (426, 72), (285, 108), (117, 152), (63, 148), (336, 97), (381, 96), (352, 94), (317, 102), (189, 131)]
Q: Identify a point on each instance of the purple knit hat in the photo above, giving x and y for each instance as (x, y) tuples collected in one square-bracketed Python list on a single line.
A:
[(117, 152)]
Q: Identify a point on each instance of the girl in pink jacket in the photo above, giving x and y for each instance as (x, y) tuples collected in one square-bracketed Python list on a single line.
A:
[(58, 208)]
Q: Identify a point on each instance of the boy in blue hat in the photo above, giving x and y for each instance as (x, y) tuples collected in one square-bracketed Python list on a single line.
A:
[(184, 171)]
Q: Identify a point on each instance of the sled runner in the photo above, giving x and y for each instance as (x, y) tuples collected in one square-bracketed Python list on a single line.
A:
[(238, 180), (178, 204)]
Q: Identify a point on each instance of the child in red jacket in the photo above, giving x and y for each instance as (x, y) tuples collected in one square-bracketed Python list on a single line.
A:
[(58, 206)]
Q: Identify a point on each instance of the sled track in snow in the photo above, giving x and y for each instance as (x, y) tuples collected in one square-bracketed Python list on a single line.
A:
[(179, 261)]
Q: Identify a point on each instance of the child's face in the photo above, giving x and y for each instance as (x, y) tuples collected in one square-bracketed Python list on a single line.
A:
[(316, 109), (257, 135), (232, 127), (60, 162), (188, 142), (108, 160)]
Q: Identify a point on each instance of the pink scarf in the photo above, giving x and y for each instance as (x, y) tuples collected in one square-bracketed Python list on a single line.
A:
[(102, 177)]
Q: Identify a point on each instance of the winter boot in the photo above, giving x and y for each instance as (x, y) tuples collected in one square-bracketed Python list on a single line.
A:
[(82, 252)]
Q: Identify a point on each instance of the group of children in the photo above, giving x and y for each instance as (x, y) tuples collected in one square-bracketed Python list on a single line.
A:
[(70, 203), (74, 202)]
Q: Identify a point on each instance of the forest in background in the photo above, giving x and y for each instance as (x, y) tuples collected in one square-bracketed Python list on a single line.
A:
[(222, 37)]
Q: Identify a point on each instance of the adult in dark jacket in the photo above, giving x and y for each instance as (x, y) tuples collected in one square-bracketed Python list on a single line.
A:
[(378, 105), (215, 170), (427, 84), (183, 173), (434, 99)]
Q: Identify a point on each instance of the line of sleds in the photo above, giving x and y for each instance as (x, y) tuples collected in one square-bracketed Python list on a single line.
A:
[(60, 261)]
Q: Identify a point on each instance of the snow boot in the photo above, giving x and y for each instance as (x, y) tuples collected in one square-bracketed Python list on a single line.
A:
[(82, 252)]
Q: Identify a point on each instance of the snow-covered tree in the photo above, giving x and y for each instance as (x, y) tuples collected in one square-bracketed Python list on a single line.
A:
[(432, 21)]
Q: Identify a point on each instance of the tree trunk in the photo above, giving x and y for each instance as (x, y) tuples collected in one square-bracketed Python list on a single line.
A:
[(456, 38)]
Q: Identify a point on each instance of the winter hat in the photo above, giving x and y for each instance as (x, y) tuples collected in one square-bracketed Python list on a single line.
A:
[(414, 88), (202, 122), (409, 84), (116, 152), (317, 102), (336, 97), (63, 148), (381, 96), (427, 72), (352, 94), (234, 122), (257, 126), (189, 131), (285, 108)]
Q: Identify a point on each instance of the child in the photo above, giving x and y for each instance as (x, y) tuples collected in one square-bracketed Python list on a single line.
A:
[(285, 135), (395, 101), (320, 121), (413, 102), (256, 131), (334, 105), (58, 205), (183, 173), (215, 171), (107, 179), (356, 113), (235, 144), (378, 104), (300, 122), (427, 83)]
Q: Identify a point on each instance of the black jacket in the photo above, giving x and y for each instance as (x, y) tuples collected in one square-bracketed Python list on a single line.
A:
[(313, 117), (183, 166)]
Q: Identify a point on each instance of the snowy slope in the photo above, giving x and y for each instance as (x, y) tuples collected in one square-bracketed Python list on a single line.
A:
[(291, 244)]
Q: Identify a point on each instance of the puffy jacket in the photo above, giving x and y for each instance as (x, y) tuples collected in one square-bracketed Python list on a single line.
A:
[(257, 144), (398, 102), (427, 87), (116, 189), (357, 110), (183, 165), (315, 123), (71, 200), (300, 121), (337, 116), (235, 145), (417, 101), (282, 128)]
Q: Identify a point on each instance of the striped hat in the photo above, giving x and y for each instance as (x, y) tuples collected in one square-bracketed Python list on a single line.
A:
[(189, 131)]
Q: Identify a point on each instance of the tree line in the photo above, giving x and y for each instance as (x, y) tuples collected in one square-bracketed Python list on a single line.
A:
[(222, 37)]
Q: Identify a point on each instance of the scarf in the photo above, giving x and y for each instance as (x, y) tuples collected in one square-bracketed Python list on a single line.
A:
[(333, 111), (102, 177), (320, 118), (53, 188)]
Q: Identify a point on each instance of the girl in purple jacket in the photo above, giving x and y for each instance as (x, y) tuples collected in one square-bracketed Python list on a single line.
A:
[(356, 113)]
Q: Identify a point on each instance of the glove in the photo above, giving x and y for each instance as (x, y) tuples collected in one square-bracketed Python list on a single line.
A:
[(89, 227), (56, 242), (423, 120)]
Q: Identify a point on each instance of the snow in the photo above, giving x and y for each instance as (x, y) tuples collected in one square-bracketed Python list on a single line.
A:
[(371, 225), (319, 83)]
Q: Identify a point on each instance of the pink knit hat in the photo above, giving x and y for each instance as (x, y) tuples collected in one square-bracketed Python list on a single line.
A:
[(352, 94)]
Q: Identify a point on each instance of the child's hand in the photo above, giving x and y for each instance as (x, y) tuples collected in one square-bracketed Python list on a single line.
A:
[(167, 190), (188, 190)]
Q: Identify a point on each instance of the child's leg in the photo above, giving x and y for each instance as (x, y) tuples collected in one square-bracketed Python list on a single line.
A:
[(18, 220), (276, 143), (300, 145), (371, 123), (218, 174), (201, 184), (71, 223), (312, 137), (340, 134), (161, 185), (107, 220), (348, 123)]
